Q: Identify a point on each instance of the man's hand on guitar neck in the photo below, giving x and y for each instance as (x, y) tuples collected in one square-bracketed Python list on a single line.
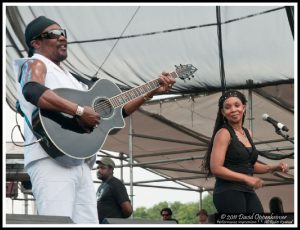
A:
[(166, 83)]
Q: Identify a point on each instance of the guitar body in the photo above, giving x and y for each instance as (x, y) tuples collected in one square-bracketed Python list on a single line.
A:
[(63, 138)]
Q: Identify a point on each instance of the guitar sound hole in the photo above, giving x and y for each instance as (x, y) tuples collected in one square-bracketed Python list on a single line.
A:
[(103, 107)]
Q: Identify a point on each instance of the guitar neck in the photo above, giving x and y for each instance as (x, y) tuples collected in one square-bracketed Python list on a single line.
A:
[(125, 97)]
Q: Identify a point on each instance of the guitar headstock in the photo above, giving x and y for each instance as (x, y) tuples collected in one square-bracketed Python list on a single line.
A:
[(185, 71)]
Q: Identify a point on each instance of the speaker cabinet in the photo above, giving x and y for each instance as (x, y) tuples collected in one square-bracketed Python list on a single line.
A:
[(37, 219)]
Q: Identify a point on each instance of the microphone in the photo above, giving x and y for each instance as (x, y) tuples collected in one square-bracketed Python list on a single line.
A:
[(276, 124)]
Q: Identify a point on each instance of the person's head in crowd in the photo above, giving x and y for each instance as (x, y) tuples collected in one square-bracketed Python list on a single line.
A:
[(105, 168), (202, 216), (166, 213), (276, 206)]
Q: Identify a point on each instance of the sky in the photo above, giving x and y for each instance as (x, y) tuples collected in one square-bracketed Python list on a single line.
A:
[(142, 197)]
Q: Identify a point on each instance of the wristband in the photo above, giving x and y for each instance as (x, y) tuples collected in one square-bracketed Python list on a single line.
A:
[(79, 111)]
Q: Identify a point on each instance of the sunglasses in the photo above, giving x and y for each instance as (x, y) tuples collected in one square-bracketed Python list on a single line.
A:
[(52, 34), (165, 214)]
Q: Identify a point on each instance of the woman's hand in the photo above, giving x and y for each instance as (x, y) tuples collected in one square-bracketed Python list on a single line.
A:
[(282, 167), (254, 182)]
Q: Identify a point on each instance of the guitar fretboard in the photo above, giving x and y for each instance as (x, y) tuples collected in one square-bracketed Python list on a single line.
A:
[(123, 98)]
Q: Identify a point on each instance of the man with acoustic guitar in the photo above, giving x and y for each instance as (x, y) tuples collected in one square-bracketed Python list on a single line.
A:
[(61, 182)]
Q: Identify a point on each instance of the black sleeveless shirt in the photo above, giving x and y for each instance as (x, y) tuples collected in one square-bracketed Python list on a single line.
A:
[(240, 159)]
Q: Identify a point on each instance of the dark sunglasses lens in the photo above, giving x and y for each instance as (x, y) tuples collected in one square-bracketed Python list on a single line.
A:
[(51, 34)]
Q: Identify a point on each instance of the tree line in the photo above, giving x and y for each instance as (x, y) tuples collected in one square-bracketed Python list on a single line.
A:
[(184, 213)]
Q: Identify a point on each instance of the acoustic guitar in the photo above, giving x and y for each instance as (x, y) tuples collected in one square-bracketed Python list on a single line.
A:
[(66, 141)]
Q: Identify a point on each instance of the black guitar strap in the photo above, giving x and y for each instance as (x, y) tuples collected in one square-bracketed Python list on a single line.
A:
[(18, 107)]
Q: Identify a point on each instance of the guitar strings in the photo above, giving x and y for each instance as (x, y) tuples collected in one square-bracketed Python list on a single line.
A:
[(103, 105)]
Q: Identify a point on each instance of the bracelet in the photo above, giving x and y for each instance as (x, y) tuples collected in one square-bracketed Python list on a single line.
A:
[(147, 98), (79, 111)]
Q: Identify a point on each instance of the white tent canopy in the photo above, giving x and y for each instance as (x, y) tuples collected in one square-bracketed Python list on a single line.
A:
[(131, 45)]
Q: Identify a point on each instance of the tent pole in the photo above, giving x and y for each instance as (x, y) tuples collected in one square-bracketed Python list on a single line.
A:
[(160, 108), (131, 160), (221, 58), (165, 161), (170, 179), (168, 187), (250, 117), (121, 166), (250, 110), (26, 204), (200, 207), (290, 15), (192, 110)]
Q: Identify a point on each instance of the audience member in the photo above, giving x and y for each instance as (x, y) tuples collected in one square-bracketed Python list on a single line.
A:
[(166, 214), (203, 216), (112, 197), (276, 206)]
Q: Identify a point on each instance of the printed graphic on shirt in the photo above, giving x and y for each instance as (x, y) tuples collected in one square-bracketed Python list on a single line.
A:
[(101, 190)]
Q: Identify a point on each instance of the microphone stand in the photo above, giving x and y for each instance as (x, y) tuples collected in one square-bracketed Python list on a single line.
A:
[(285, 136)]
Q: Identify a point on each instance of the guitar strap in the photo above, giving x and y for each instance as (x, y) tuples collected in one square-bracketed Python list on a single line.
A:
[(18, 107), (89, 82)]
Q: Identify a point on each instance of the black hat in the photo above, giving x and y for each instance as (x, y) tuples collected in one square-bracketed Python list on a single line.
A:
[(35, 28)]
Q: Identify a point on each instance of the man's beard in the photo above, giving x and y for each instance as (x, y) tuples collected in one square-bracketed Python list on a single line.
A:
[(101, 177), (61, 58)]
